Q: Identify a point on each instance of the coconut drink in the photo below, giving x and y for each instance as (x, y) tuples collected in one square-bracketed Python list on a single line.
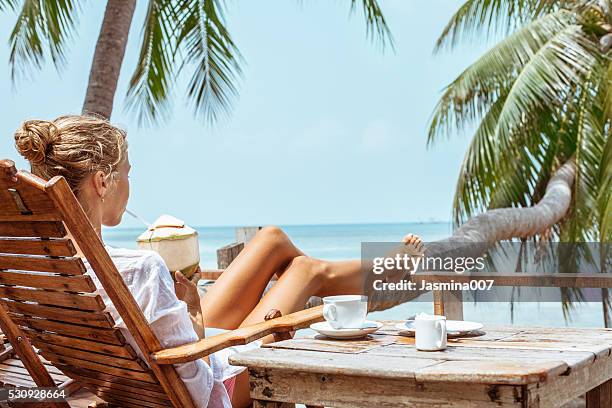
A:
[(175, 242)]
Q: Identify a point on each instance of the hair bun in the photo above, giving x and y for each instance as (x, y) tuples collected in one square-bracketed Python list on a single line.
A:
[(33, 139)]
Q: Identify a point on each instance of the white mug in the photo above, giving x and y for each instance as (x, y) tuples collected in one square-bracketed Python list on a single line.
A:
[(345, 311), (430, 332)]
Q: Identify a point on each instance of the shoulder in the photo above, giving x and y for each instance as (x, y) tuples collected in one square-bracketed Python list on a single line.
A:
[(134, 257), (138, 261)]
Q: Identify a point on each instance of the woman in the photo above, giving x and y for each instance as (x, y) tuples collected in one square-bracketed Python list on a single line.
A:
[(92, 156)]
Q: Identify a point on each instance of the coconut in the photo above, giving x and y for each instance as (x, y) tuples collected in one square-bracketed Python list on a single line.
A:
[(175, 242)]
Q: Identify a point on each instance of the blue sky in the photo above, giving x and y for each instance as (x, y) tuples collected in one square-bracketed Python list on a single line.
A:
[(328, 128)]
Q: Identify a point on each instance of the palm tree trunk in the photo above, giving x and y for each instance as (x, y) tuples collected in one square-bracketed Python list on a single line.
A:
[(108, 57), (480, 233)]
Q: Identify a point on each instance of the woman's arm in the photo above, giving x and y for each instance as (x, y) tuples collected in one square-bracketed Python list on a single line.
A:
[(187, 291)]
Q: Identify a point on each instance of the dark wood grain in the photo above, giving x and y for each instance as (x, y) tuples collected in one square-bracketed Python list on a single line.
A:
[(37, 246)]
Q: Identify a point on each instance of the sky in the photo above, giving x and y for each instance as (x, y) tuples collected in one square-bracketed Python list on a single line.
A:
[(329, 128)]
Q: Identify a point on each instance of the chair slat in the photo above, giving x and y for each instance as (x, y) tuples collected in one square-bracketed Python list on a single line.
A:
[(133, 401), (95, 319), (16, 380), (66, 266), (103, 368), (128, 364), (16, 366), (125, 351), (11, 368), (132, 389), (132, 393), (74, 300), (23, 202), (18, 363), (37, 246), (88, 333), (39, 229), (82, 372), (77, 283)]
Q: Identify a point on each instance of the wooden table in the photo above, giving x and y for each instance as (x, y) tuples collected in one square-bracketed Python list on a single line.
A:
[(508, 366)]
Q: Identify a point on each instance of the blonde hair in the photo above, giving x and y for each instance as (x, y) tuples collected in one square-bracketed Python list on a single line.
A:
[(71, 146)]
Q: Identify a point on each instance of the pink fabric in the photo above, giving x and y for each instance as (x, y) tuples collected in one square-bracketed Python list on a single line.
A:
[(229, 385)]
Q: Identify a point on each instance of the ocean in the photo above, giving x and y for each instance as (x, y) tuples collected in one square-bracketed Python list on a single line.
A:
[(335, 242)]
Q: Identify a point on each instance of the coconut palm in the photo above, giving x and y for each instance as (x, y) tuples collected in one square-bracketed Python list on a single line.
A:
[(541, 98), (179, 37)]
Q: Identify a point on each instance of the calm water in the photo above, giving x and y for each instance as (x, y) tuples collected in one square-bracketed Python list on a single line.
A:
[(335, 242)]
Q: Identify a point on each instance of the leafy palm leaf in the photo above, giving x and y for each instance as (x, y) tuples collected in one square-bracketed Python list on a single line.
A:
[(476, 176), (546, 80), (604, 199), (43, 26), (210, 51), (470, 96), (476, 17), (376, 24), (150, 85), (8, 5)]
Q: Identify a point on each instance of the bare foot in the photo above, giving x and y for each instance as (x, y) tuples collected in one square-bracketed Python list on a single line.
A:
[(415, 242), (413, 247)]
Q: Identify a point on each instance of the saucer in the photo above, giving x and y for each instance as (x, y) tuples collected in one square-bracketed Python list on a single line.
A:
[(325, 329), (453, 327)]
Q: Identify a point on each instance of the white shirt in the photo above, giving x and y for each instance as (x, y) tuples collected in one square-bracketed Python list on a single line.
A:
[(151, 284)]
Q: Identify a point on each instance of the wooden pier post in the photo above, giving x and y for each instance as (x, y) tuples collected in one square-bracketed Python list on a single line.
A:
[(226, 254)]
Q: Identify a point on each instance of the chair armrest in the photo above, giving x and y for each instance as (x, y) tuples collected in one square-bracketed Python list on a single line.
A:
[(243, 335)]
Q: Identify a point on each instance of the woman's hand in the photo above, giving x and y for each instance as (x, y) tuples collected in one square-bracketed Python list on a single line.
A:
[(187, 289)]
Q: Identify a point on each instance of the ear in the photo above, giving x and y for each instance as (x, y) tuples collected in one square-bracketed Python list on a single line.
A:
[(99, 183)]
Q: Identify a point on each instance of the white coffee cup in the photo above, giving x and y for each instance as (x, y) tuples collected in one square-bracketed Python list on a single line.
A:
[(430, 332), (345, 311)]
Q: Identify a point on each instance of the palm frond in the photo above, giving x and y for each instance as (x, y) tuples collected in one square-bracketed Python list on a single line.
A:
[(478, 17), (604, 198), (8, 5), (471, 94), (210, 50), (588, 140), (476, 176), (376, 24), (149, 88), (494, 176), (42, 27), (547, 78)]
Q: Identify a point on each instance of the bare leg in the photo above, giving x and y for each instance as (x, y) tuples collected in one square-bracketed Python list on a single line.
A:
[(235, 294), (237, 291), (305, 277)]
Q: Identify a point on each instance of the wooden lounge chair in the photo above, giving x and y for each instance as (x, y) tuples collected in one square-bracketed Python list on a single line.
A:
[(49, 303)]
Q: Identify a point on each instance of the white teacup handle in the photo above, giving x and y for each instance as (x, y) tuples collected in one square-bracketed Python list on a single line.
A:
[(441, 326), (330, 313)]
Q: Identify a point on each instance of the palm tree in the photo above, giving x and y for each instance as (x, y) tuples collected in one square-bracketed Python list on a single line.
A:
[(539, 100), (180, 37)]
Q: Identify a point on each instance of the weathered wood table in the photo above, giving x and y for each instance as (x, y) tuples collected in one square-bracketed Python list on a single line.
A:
[(508, 366)]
